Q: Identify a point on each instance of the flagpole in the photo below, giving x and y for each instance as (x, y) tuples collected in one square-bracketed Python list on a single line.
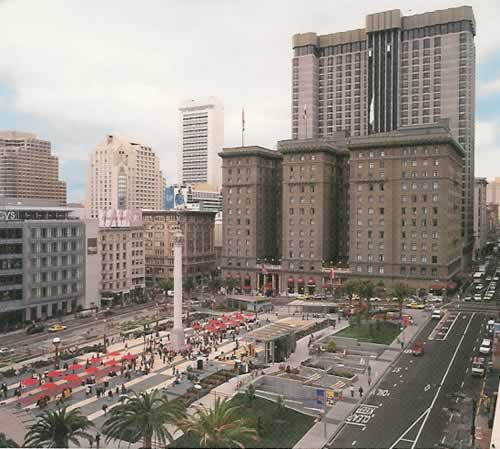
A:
[(243, 127)]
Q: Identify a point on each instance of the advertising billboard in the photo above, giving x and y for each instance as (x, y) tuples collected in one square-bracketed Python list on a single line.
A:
[(169, 197), (119, 218), (176, 197)]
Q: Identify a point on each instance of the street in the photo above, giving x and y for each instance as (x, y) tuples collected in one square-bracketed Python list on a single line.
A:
[(407, 409)]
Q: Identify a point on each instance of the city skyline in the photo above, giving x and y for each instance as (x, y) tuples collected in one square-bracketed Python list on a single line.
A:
[(85, 92)]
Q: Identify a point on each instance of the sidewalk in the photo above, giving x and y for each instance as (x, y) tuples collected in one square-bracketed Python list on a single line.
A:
[(322, 432)]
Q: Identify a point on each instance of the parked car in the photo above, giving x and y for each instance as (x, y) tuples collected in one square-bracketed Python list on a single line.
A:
[(6, 351), (478, 297), (468, 298), (479, 287), (57, 328), (478, 368), (418, 349), (489, 278), (35, 328), (485, 346), (415, 305)]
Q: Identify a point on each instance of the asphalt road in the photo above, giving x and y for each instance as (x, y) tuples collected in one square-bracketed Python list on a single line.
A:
[(406, 409)]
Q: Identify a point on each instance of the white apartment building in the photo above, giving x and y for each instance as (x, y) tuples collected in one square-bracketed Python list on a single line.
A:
[(201, 138), (123, 174)]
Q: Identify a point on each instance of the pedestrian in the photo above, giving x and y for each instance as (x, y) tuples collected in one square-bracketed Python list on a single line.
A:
[(117, 391), (369, 380), (105, 409), (351, 389), (360, 392), (110, 394)]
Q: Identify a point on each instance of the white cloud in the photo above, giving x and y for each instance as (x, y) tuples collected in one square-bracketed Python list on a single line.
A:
[(487, 155), (87, 68), (489, 87)]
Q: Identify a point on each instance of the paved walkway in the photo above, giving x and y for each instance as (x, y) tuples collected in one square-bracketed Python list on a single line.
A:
[(320, 433)]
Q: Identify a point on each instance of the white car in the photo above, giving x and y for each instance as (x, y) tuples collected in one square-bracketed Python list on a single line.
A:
[(479, 287), (435, 299), (478, 367), (496, 278), (477, 297), (5, 351), (468, 298), (485, 346), (436, 315)]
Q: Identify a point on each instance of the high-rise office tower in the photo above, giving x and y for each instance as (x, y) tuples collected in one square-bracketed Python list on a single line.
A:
[(397, 71), (201, 138), (28, 169), (123, 174)]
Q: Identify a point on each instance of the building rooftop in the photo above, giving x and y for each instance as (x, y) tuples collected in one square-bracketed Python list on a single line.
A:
[(253, 150), (329, 145)]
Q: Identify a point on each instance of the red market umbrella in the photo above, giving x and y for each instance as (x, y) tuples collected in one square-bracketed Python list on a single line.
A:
[(112, 363), (92, 370), (225, 318), (196, 326), (113, 353), (221, 325), (48, 385), (29, 381), (95, 360), (54, 373), (249, 315), (72, 378), (211, 329), (75, 366), (129, 357), (239, 318), (212, 322)]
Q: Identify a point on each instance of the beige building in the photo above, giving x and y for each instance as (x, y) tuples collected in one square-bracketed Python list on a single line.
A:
[(251, 215), (123, 174), (28, 170), (405, 200), (396, 71), (198, 253), (480, 216), (493, 191), (122, 259)]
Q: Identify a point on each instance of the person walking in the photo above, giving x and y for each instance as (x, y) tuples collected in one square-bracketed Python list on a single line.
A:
[(351, 389), (105, 409), (360, 392)]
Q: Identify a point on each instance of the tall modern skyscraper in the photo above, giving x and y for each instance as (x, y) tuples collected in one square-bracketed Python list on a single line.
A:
[(123, 174), (397, 71), (201, 138), (28, 169)]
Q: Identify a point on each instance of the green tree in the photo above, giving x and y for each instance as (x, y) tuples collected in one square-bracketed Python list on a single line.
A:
[(188, 284), (231, 284), (250, 395), (220, 426), (401, 291), (331, 346), (58, 428), (351, 288), (165, 284), (7, 442), (215, 283), (280, 406), (143, 417)]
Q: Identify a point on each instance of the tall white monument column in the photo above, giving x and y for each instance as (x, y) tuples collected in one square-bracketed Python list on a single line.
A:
[(178, 341)]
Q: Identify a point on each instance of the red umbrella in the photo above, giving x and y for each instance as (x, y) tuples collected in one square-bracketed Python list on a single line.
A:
[(211, 329), (54, 373), (129, 357), (225, 318), (29, 381), (75, 366), (48, 385), (113, 353), (72, 378), (250, 315), (212, 322), (221, 325), (92, 370), (112, 363), (239, 318), (95, 360), (196, 326)]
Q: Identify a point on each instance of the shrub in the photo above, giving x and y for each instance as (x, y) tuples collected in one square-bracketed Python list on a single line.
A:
[(331, 346)]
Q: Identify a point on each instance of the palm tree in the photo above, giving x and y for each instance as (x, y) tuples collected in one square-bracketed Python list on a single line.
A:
[(250, 395), (58, 428), (144, 416), (220, 426)]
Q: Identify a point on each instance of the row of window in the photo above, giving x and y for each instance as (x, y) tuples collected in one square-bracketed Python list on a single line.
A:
[(45, 292), (53, 232)]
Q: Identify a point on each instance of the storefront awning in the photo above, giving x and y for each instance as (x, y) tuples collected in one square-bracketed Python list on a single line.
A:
[(291, 280), (311, 281)]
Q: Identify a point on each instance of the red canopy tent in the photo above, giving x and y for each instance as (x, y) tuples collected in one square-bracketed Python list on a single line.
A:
[(92, 370), (75, 366), (212, 322), (211, 329), (196, 326), (221, 325), (95, 360), (225, 318), (72, 378), (129, 357), (54, 373), (113, 353), (112, 362), (29, 381), (249, 315), (48, 385)]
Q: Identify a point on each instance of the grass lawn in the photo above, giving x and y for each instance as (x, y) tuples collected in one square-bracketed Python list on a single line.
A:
[(283, 432), (385, 334)]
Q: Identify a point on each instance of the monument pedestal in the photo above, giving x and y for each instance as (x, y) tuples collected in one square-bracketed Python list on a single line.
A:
[(178, 339)]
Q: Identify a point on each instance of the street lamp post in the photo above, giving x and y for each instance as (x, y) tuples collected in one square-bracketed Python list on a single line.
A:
[(56, 342), (104, 336)]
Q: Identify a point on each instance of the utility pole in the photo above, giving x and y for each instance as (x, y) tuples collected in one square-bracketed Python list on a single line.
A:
[(473, 425)]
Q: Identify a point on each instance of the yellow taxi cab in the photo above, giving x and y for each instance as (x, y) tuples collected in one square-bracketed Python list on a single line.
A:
[(57, 328), (415, 305), (303, 297)]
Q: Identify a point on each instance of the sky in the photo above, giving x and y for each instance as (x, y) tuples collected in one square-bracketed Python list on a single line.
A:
[(73, 71)]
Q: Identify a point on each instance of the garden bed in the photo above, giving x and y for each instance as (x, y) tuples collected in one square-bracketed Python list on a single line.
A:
[(381, 332)]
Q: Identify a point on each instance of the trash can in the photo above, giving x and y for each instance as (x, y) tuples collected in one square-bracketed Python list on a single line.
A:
[(199, 364)]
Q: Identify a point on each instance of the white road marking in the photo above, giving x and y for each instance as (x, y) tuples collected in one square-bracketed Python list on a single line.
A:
[(462, 385), (451, 417), (427, 387), (408, 441), (444, 438), (467, 370), (426, 412), (451, 327), (353, 443), (442, 381), (395, 385), (457, 400)]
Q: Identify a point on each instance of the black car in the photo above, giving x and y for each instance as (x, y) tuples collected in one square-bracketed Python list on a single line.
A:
[(35, 328)]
